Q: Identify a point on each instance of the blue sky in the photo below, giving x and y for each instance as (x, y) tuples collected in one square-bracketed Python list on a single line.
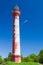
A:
[(31, 26)]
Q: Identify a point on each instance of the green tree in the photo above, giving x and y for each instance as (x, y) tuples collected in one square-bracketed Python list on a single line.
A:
[(34, 57), (28, 59), (8, 58), (41, 56), (1, 60), (22, 59), (31, 58)]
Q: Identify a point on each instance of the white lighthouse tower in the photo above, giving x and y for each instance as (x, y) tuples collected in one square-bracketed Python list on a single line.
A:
[(16, 56)]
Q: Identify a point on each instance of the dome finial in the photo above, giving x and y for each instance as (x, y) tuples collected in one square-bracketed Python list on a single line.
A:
[(16, 7)]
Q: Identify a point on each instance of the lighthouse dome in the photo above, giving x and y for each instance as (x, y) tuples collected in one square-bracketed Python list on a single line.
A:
[(16, 7)]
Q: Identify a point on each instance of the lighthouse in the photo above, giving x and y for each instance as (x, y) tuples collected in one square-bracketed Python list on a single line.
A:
[(16, 55)]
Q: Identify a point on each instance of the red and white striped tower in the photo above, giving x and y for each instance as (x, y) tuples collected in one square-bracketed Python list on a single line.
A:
[(16, 56)]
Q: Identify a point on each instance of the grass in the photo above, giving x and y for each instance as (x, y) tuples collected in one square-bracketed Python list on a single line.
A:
[(23, 63), (0, 64)]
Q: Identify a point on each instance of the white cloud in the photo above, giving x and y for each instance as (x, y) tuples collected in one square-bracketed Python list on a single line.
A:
[(26, 21)]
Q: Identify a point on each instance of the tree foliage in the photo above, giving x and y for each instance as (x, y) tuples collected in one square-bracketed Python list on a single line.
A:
[(1, 60), (31, 58), (8, 58), (41, 56)]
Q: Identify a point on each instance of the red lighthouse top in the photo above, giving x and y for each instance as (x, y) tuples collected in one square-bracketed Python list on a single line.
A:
[(16, 10)]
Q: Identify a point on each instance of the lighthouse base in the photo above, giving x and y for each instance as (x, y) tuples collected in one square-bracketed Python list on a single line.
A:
[(16, 58)]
